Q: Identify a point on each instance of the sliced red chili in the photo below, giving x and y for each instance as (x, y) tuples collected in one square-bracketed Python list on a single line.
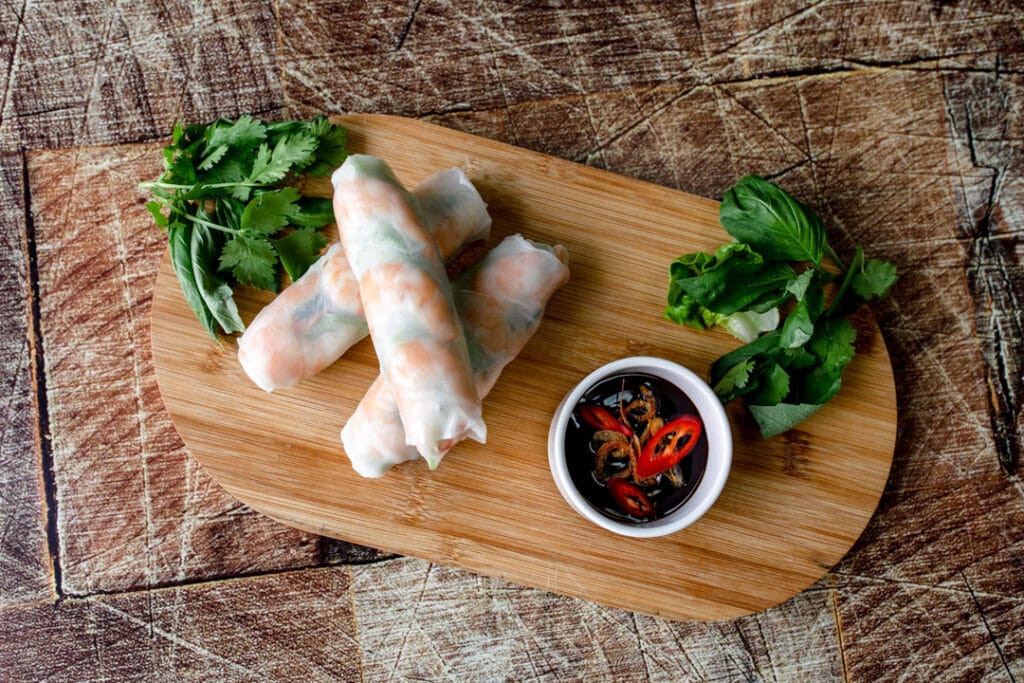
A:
[(671, 444), (600, 418), (630, 498)]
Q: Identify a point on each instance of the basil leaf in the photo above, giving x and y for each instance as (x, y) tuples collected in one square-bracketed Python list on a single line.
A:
[(774, 420), (799, 325), (179, 238), (736, 284), (776, 225), (820, 385), (216, 293), (313, 213)]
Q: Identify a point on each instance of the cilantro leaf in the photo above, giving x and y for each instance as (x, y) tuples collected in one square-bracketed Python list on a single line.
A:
[(177, 132), (232, 169), (774, 224), (786, 374), (246, 132), (269, 211), (154, 208), (874, 279), (270, 166), (251, 260), (225, 193), (832, 343), (181, 170), (299, 250), (774, 386), (212, 158), (733, 380), (764, 348), (331, 149)]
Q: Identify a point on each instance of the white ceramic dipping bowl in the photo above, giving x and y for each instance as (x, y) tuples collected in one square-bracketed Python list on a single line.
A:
[(716, 426)]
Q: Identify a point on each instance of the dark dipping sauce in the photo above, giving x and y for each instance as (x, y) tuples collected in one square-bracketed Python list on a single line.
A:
[(581, 447)]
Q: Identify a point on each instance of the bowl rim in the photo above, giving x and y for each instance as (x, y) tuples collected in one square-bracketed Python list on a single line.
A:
[(717, 428)]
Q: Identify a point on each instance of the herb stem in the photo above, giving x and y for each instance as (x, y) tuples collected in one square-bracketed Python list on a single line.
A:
[(196, 219), (858, 258), (835, 257), (215, 226), (174, 186)]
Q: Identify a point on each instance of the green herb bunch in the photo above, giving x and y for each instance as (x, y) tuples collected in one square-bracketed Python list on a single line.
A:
[(233, 214), (787, 373)]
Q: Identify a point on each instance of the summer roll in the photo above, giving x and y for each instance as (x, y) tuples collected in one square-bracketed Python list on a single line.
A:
[(320, 316), (501, 301), (409, 307)]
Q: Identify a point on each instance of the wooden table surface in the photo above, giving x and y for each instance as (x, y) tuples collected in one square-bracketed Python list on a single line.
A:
[(902, 123)]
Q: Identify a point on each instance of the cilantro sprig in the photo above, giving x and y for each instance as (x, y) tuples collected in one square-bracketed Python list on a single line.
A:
[(233, 214), (784, 372)]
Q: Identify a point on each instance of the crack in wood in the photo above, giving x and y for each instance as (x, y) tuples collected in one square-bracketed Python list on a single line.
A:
[(994, 292), (988, 629), (43, 439), (408, 26), (172, 585)]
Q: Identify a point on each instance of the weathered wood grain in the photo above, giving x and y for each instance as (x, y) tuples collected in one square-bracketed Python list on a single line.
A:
[(758, 39), (25, 571), (104, 72), (986, 121), (899, 120), (294, 626), (525, 634), (927, 633), (418, 58), (132, 509)]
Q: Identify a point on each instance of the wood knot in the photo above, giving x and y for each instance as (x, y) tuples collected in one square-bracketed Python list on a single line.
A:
[(213, 362), (795, 456), (412, 513), (639, 348)]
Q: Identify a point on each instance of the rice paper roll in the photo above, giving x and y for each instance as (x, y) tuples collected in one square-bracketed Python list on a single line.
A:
[(320, 316), (501, 301), (409, 307)]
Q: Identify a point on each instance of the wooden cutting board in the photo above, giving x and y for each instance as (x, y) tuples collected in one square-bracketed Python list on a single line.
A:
[(793, 505)]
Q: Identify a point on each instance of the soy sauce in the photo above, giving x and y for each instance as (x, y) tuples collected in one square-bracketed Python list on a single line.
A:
[(581, 448)]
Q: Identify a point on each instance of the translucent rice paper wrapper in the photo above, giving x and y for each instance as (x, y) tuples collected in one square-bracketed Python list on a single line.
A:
[(320, 316), (409, 307), (501, 302)]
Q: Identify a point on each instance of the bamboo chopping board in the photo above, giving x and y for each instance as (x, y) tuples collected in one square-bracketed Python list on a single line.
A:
[(793, 505)]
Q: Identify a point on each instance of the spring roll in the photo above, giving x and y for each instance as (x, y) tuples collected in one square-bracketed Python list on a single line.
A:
[(319, 317), (500, 300), (409, 307)]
